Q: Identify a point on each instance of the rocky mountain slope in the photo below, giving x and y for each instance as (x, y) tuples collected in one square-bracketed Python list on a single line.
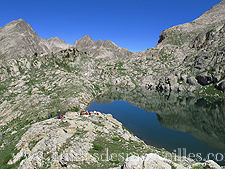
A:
[(191, 55), (19, 39), (39, 76)]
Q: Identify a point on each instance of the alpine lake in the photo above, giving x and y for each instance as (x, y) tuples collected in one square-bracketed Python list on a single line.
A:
[(183, 123)]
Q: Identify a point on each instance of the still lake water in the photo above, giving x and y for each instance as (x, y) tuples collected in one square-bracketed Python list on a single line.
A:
[(180, 124)]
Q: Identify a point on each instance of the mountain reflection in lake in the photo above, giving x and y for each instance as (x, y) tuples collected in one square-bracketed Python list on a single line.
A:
[(169, 120)]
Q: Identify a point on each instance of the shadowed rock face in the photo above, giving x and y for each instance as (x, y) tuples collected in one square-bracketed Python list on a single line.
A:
[(191, 114)]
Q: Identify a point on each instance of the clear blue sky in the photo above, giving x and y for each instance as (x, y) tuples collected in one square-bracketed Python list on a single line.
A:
[(132, 24)]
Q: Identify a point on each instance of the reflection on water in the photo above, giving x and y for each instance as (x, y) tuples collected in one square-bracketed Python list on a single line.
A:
[(169, 120)]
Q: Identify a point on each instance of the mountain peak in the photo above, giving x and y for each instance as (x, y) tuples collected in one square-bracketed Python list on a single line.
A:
[(22, 40), (84, 42), (15, 24)]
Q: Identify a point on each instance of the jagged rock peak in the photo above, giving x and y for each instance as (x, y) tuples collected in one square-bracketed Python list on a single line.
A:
[(84, 42), (18, 26), (88, 42), (106, 43), (19, 22)]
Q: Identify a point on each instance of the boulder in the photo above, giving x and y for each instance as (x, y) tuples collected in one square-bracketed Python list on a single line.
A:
[(71, 114), (172, 81), (207, 164), (204, 78), (133, 162), (211, 164), (216, 77), (221, 85), (150, 161), (155, 161), (183, 78), (192, 81)]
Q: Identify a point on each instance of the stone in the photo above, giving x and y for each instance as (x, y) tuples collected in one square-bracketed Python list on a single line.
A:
[(133, 162), (216, 77), (16, 158), (126, 137), (183, 78), (171, 80), (204, 79), (71, 114), (211, 164), (89, 127), (155, 161), (13, 132), (150, 161), (192, 81), (221, 85), (208, 164)]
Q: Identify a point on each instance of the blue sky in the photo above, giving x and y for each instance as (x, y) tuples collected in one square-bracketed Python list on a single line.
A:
[(132, 24)]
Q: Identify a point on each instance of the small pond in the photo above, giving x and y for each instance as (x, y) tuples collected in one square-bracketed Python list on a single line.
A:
[(186, 124)]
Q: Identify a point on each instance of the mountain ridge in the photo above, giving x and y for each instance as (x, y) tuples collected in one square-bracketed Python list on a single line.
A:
[(18, 35)]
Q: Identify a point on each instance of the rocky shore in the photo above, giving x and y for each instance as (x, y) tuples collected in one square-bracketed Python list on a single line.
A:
[(93, 140)]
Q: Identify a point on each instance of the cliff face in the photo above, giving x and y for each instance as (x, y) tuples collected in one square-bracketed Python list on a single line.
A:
[(190, 54)]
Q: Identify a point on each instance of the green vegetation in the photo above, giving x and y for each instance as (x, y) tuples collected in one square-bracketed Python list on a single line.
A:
[(115, 138), (97, 147), (124, 128), (209, 90), (198, 167), (113, 153)]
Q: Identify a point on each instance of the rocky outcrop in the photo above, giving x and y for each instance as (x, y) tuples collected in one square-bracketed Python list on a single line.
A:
[(66, 142), (221, 85), (194, 50), (155, 161)]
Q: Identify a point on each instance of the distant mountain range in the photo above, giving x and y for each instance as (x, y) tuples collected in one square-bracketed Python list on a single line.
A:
[(19, 39), (186, 57)]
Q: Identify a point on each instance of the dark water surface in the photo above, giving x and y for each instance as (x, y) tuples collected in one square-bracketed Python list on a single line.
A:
[(187, 125)]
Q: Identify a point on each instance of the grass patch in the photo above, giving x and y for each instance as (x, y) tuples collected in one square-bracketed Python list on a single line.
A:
[(97, 147), (115, 138), (112, 152), (124, 128)]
